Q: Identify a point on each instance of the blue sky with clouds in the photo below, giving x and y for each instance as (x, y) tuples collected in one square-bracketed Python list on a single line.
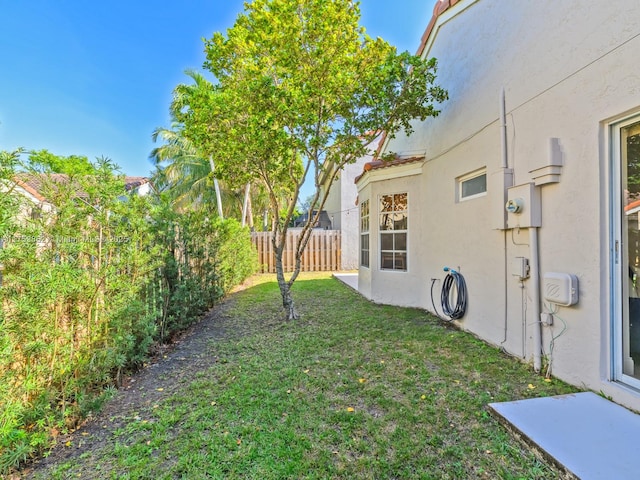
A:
[(95, 78)]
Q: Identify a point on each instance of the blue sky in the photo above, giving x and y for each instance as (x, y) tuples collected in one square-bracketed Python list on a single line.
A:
[(95, 78)]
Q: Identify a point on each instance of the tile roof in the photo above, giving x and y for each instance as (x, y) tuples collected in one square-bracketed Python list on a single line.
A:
[(376, 164), (440, 7), (134, 182)]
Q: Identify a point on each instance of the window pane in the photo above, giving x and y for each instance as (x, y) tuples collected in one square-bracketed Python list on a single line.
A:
[(400, 261), (386, 260), (364, 258), (386, 221), (630, 168), (386, 203), (386, 241), (400, 201), (364, 242), (401, 241), (474, 186), (399, 221)]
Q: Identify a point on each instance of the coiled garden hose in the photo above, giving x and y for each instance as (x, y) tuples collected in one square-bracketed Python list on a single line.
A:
[(454, 278)]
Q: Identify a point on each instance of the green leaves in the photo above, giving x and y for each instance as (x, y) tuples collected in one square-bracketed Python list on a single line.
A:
[(74, 164), (299, 91), (89, 284)]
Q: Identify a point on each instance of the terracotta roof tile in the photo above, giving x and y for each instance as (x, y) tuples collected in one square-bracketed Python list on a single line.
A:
[(440, 7), (376, 164)]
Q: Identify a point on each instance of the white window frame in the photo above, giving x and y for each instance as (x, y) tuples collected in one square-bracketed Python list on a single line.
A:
[(382, 232), (365, 220), (471, 176)]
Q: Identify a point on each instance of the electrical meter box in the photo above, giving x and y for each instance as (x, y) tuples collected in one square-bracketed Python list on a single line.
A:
[(523, 206), (560, 288)]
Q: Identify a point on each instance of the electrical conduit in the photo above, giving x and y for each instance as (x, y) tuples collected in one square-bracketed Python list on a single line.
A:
[(534, 278)]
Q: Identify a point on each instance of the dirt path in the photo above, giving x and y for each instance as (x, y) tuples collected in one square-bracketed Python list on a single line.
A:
[(169, 372)]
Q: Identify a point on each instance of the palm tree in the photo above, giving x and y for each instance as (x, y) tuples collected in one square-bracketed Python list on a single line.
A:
[(189, 169), (188, 174)]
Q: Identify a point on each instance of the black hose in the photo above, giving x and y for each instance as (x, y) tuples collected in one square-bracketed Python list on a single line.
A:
[(458, 310), (433, 282)]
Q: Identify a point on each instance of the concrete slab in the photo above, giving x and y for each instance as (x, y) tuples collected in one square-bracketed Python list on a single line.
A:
[(585, 434), (350, 279)]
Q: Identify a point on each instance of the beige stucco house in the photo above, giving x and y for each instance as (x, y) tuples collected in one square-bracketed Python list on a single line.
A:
[(527, 183)]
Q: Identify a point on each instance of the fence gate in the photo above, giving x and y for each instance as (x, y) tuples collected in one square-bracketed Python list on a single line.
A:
[(322, 253)]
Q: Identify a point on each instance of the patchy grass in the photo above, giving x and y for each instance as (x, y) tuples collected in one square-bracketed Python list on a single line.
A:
[(352, 390)]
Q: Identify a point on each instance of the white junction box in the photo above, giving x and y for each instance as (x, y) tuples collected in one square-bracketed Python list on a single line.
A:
[(560, 288), (520, 268)]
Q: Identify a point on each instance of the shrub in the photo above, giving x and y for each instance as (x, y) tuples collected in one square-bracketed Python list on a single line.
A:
[(88, 287)]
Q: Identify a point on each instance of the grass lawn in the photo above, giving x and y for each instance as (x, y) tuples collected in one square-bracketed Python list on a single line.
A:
[(351, 390)]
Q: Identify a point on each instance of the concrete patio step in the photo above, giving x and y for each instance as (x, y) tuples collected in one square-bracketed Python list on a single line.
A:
[(584, 434), (350, 279)]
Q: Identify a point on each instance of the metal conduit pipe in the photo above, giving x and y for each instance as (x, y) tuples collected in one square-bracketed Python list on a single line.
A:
[(534, 278)]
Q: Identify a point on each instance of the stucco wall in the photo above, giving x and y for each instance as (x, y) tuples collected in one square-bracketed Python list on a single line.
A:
[(567, 69), (343, 211)]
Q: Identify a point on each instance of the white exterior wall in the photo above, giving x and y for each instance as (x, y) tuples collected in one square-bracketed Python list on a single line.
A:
[(568, 68), (392, 286), (344, 213)]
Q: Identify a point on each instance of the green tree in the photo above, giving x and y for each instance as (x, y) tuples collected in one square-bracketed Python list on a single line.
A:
[(185, 171), (301, 90), (46, 161), (185, 167)]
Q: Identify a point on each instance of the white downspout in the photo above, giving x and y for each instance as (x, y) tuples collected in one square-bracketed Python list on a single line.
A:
[(534, 272), (504, 164)]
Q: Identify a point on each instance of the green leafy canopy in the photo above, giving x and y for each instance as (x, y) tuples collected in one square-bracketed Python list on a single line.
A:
[(300, 90)]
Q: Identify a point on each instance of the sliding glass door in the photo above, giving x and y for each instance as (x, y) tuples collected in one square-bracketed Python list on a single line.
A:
[(626, 322)]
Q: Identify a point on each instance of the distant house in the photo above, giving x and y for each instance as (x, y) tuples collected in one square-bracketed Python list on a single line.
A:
[(33, 186), (342, 209), (36, 187), (527, 184), (324, 221)]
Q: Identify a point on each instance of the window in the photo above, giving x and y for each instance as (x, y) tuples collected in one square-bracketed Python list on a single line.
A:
[(472, 185), (364, 233), (393, 231)]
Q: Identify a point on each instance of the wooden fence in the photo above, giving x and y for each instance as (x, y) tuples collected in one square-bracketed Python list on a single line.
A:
[(321, 254)]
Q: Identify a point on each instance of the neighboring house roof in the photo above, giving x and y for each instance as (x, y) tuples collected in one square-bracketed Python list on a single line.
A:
[(323, 221), (633, 207), (35, 184), (376, 164), (131, 183)]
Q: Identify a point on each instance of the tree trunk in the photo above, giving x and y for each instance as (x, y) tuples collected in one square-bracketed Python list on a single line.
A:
[(285, 286), (250, 214), (216, 186), (247, 190)]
